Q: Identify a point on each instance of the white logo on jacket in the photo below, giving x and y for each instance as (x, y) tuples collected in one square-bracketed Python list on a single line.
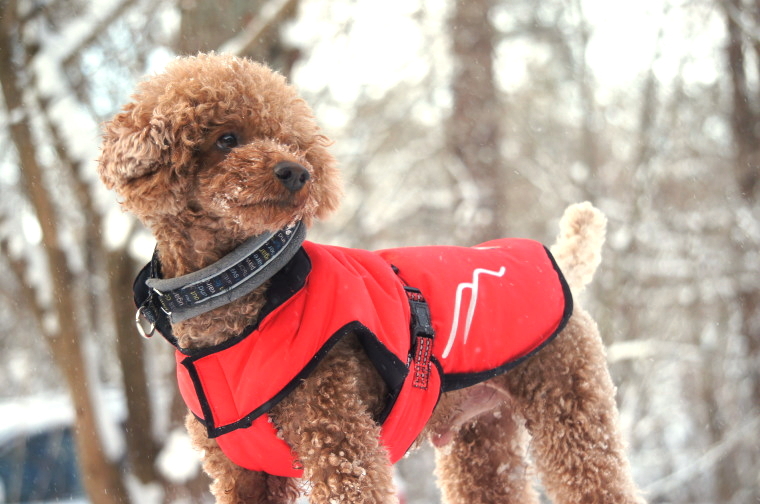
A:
[(473, 286)]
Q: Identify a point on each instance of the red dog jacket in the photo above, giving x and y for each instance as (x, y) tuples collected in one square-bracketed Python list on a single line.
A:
[(490, 307)]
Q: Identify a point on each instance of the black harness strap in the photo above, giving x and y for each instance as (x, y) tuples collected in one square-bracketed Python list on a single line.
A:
[(422, 337)]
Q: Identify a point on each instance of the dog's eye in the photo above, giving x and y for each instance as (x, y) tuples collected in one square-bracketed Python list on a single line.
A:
[(227, 142)]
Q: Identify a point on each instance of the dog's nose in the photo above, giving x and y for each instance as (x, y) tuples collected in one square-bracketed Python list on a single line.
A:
[(292, 175)]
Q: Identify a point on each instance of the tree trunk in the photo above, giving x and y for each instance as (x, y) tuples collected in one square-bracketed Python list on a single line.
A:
[(205, 26), (473, 130), (100, 475), (744, 128), (143, 450), (743, 116)]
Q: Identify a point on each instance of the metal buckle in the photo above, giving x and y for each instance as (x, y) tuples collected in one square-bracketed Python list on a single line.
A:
[(421, 322), (140, 322), (161, 302)]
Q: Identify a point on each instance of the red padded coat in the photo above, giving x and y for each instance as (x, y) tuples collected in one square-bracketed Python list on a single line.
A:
[(491, 306)]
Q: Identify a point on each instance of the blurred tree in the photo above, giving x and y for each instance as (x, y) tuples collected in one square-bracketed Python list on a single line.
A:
[(62, 62), (245, 28), (474, 128), (63, 332), (743, 59)]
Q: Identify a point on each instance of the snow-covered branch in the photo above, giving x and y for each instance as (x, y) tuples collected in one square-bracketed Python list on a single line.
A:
[(271, 14), (652, 349), (704, 463)]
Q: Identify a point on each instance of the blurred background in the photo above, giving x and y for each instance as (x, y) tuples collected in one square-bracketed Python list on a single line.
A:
[(454, 122)]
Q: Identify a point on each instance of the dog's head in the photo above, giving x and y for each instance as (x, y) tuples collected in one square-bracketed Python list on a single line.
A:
[(222, 137)]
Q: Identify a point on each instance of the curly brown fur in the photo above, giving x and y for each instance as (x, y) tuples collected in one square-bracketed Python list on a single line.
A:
[(337, 438), (567, 399), (485, 462), (578, 249), (193, 155)]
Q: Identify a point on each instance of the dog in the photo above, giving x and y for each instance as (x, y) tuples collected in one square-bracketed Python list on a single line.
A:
[(222, 160)]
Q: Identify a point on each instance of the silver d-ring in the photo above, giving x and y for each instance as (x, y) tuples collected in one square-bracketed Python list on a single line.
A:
[(140, 322)]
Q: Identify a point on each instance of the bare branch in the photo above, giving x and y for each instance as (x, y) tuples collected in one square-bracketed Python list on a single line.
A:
[(19, 268), (101, 22), (702, 465), (652, 348), (272, 13)]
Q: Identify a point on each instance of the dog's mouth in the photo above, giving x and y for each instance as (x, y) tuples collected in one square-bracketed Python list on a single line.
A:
[(291, 203), (237, 200), (274, 212)]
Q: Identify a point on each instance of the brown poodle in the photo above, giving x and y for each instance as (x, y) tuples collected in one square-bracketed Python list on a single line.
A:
[(218, 151)]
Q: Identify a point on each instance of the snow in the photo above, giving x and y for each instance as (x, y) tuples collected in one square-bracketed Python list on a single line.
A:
[(178, 461), (16, 115), (117, 228), (651, 31), (28, 415), (31, 228), (109, 407), (24, 416), (145, 493), (355, 53), (74, 122)]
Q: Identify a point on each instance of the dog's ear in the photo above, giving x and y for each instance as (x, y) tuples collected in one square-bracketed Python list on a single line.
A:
[(330, 188), (133, 146)]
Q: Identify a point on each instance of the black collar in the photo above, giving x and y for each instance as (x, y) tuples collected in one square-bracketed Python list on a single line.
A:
[(162, 302)]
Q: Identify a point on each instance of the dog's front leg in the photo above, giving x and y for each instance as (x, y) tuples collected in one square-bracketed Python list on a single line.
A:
[(328, 423), (233, 484)]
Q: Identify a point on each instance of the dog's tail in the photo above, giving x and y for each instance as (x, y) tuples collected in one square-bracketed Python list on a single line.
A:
[(578, 249)]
